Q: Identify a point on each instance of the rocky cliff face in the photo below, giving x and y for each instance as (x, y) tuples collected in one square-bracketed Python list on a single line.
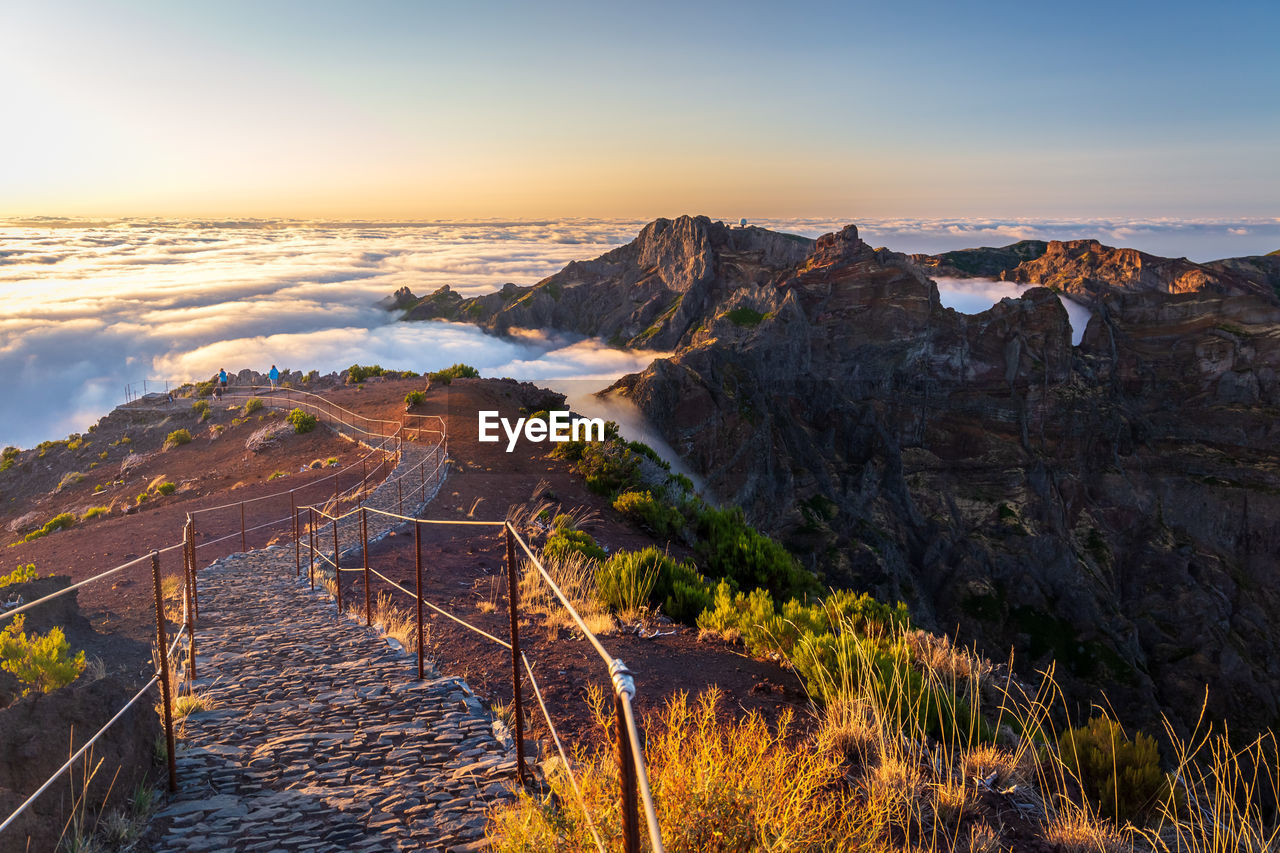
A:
[(1113, 507), (649, 293)]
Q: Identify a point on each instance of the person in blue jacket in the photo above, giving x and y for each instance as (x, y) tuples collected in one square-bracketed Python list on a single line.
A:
[(274, 376), (222, 379)]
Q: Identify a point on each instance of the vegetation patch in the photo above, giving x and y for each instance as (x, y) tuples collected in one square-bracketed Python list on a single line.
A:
[(302, 422), (22, 574), (42, 662), (457, 371), (60, 521), (747, 317), (177, 438)]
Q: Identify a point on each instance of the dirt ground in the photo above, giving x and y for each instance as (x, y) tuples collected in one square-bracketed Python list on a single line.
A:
[(463, 567)]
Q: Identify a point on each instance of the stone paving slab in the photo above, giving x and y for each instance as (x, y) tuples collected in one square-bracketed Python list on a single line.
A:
[(320, 737)]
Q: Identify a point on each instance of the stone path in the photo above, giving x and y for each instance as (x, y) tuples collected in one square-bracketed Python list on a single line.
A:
[(321, 738)]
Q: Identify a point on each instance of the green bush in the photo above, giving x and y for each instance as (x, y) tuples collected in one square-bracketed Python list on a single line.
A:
[(1122, 777), (609, 467), (43, 662), (358, 373), (744, 316), (276, 476), (627, 579), (302, 421), (201, 408), (728, 547), (143, 497), (457, 371), (22, 574), (95, 511), (659, 517), (177, 438), (312, 376), (166, 488), (414, 398), (205, 389), (9, 456), (676, 586), (563, 542), (253, 404), (59, 522)]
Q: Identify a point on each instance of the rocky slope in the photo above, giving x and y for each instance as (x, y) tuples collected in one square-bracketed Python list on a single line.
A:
[(1086, 268), (649, 293), (1112, 507)]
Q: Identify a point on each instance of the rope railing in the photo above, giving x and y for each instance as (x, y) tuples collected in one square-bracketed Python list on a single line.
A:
[(636, 794)]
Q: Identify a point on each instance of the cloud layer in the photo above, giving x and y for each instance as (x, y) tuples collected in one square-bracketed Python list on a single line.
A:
[(87, 307)]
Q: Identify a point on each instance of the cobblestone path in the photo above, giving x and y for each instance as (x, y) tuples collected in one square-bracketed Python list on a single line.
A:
[(320, 737)]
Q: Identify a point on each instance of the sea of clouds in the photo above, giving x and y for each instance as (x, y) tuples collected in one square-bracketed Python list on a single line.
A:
[(89, 307)]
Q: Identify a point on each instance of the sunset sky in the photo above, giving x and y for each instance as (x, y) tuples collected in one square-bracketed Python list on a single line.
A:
[(425, 110)]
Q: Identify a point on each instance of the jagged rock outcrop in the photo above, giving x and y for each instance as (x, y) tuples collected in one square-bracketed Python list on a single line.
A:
[(1112, 507), (650, 293), (1086, 269)]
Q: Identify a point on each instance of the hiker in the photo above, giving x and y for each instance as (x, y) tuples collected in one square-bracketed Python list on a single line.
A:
[(222, 380), (274, 376), (217, 392)]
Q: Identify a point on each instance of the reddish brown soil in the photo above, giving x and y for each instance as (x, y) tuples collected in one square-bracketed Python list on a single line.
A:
[(462, 566)]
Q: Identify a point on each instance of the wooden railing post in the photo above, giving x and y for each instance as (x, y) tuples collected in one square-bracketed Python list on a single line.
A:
[(163, 639), (364, 549), (417, 547), (513, 595)]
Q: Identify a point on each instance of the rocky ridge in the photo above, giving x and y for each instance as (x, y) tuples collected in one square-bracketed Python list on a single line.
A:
[(1112, 507)]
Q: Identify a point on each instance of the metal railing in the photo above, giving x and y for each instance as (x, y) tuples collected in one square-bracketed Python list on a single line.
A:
[(633, 776), (389, 432), (634, 782)]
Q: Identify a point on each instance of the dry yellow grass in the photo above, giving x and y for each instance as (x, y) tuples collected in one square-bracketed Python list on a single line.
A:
[(574, 574)]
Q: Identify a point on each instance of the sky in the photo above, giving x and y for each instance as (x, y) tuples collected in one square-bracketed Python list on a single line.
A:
[(419, 110)]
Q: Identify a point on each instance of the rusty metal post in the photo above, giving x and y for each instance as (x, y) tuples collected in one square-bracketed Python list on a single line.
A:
[(627, 782), (337, 575), (243, 546), (195, 573), (364, 550), (311, 551), (163, 639), (513, 595), (297, 541), (188, 566), (417, 547)]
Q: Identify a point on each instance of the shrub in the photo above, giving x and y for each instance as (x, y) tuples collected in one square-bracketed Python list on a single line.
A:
[(457, 371), (253, 404), (277, 475), (166, 488), (143, 497), (8, 457), (564, 542), (659, 517), (627, 579), (95, 511), (609, 467), (744, 316), (357, 373), (414, 398), (59, 522), (302, 421), (69, 479), (332, 462), (728, 547), (1122, 777), (674, 586), (177, 438), (312, 376), (43, 662), (22, 574), (201, 408)]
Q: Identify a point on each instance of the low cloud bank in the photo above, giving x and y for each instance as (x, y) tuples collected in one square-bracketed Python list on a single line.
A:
[(88, 307)]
